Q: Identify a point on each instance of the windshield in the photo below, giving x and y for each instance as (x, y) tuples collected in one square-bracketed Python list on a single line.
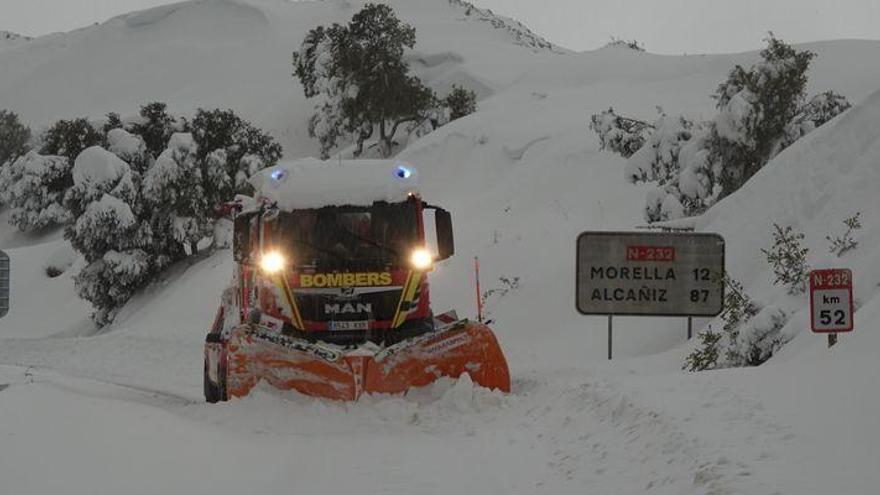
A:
[(382, 233)]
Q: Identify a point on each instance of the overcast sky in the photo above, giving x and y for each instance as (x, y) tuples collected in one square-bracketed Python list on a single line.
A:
[(663, 26)]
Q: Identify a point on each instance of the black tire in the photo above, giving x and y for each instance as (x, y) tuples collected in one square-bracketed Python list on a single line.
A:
[(214, 392)]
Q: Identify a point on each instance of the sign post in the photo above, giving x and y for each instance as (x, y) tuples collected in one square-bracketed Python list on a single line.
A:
[(831, 302), (4, 284), (649, 274)]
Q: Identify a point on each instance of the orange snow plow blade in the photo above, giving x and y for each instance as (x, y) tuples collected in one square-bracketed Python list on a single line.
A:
[(326, 371)]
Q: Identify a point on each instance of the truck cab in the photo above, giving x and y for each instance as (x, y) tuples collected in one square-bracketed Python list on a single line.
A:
[(341, 273)]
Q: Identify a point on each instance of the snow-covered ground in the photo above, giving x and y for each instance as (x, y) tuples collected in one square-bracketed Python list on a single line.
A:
[(120, 411)]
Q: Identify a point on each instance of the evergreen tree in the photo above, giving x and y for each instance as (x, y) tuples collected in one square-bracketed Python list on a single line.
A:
[(156, 127), (114, 121), (68, 138), (32, 187), (620, 135), (460, 102), (229, 150), (131, 148), (14, 137), (362, 80), (755, 107), (108, 232), (174, 192)]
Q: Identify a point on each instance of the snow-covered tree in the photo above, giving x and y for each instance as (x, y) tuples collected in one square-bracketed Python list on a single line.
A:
[(155, 127), (132, 214), (33, 186), (131, 148), (761, 111), (69, 138), (460, 102), (362, 83), (174, 191), (816, 112), (108, 233), (229, 150), (755, 106), (657, 160), (14, 137), (113, 121), (111, 281), (620, 135), (100, 176), (631, 44)]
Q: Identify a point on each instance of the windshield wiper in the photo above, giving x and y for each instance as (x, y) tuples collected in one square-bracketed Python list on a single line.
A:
[(371, 241), (321, 250)]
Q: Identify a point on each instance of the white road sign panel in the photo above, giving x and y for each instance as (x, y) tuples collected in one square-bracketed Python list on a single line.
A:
[(659, 274)]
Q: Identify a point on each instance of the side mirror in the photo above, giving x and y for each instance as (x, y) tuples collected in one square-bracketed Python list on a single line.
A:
[(445, 239), (241, 237)]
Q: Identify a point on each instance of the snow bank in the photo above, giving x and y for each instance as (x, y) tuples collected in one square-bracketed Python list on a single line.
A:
[(312, 183)]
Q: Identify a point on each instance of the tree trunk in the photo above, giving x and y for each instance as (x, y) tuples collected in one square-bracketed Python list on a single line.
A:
[(385, 140)]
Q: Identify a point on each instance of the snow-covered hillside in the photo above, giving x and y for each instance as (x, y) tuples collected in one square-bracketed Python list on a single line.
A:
[(8, 39), (522, 176), (237, 53)]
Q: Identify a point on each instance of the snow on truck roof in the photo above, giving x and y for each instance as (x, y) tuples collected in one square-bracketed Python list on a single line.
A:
[(312, 183)]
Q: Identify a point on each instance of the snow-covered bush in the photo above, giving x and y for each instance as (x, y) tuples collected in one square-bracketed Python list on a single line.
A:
[(819, 110), (704, 357), (14, 137), (824, 107), (620, 135), (96, 173), (631, 44), (657, 160), (788, 259), (131, 213), (60, 261), (460, 102), (761, 111), (69, 138), (108, 283), (155, 127), (662, 204), (113, 121), (174, 191), (229, 151), (130, 148), (755, 106), (108, 233), (34, 186), (750, 335), (844, 243)]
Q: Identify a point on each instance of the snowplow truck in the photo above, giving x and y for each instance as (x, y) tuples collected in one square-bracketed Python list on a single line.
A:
[(330, 296)]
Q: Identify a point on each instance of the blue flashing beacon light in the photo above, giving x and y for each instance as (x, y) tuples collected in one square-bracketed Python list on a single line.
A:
[(278, 174), (403, 172)]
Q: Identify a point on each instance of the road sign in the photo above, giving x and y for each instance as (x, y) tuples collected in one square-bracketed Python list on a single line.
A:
[(650, 274), (4, 284), (831, 300)]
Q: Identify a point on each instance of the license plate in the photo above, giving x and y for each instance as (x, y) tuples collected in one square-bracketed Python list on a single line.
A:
[(349, 325)]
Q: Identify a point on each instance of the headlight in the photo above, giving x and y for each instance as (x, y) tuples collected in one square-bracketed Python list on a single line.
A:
[(421, 259), (272, 262)]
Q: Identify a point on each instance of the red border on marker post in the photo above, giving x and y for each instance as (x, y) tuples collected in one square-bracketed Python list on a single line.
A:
[(829, 279)]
